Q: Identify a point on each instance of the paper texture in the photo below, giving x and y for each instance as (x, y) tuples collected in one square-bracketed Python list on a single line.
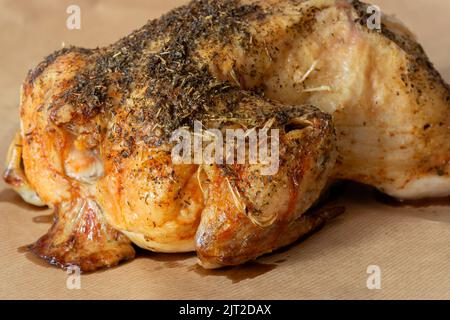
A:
[(411, 245)]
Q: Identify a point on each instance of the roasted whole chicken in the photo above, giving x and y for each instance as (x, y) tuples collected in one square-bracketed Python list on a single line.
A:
[(350, 102)]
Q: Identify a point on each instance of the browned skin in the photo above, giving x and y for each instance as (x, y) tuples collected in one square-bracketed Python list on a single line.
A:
[(80, 237), (96, 127)]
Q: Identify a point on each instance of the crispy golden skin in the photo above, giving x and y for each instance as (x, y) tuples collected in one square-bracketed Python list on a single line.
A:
[(96, 124)]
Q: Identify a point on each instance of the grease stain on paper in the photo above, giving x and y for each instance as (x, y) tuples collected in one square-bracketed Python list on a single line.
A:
[(236, 274)]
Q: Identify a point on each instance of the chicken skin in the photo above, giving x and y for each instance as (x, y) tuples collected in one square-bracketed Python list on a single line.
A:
[(348, 102)]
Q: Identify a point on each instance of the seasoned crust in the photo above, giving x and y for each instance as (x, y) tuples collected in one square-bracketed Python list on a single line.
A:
[(417, 56)]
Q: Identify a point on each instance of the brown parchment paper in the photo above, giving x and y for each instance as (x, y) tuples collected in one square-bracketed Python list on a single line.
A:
[(411, 245)]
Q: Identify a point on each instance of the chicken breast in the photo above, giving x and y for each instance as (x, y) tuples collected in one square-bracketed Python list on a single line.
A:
[(96, 129)]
